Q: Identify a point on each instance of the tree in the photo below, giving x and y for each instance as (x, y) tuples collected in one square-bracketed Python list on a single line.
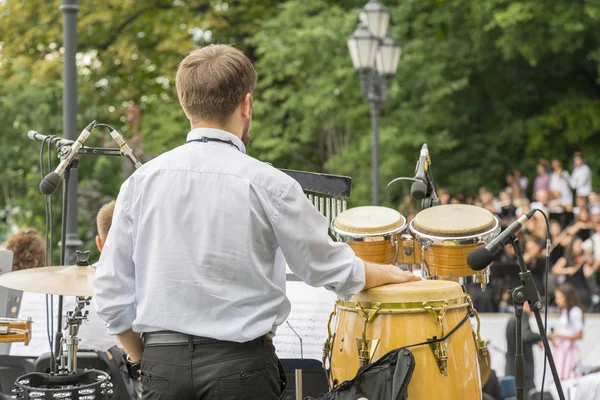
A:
[(490, 85)]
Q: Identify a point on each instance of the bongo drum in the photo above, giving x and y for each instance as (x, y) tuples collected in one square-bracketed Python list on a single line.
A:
[(447, 234), (429, 317), (374, 233)]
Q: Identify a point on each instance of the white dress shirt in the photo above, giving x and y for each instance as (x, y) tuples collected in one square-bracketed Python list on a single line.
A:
[(581, 180), (561, 184), (193, 242)]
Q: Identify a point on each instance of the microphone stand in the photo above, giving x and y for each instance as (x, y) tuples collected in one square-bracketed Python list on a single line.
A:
[(431, 198), (528, 292), (63, 249)]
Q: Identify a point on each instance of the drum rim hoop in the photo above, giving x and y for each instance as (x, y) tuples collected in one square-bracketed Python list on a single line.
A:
[(473, 231), (458, 302), (467, 238), (358, 236)]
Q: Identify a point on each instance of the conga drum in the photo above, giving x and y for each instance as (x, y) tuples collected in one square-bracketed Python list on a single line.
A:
[(415, 315), (374, 233), (447, 234)]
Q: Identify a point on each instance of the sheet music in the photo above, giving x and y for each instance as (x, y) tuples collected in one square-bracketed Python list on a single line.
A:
[(311, 308)]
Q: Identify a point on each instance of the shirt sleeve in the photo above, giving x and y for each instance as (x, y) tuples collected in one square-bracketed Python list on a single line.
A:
[(302, 233), (114, 281), (576, 319)]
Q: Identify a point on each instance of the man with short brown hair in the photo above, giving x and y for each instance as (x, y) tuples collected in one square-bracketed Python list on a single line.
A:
[(192, 260), (103, 223)]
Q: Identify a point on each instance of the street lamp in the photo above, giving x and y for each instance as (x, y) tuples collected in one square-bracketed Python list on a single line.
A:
[(375, 56)]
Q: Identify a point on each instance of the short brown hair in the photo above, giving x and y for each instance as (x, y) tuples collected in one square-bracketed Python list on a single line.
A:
[(212, 81), (104, 219), (29, 249)]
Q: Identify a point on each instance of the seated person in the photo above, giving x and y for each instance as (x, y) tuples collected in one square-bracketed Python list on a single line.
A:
[(92, 333), (29, 251)]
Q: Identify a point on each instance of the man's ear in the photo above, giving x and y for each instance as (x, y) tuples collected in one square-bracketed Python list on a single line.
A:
[(247, 106), (99, 243)]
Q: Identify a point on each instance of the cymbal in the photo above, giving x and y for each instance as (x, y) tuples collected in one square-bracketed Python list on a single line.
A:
[(64, 280)]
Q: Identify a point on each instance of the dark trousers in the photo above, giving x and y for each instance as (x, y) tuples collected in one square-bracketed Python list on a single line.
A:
[(212, 369)]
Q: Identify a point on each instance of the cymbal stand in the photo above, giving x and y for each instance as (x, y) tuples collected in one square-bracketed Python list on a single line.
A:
[(69, 345)]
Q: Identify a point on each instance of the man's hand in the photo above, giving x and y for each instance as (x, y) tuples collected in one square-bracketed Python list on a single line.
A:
[(133, 368), (380, 274), (132, 344)]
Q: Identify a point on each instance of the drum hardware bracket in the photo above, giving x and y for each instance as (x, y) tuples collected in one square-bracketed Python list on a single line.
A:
[(328, 346), (483, 354), (440, 352), (439, 347), (366, 348), (396, 251)]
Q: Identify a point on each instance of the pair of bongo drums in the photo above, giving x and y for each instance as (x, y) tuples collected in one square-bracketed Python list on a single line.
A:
[(438, 240), (430, 317)]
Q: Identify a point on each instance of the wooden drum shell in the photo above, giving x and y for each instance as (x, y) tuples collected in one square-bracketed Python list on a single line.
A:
[(377, 249), (451, 261), (404, 327)]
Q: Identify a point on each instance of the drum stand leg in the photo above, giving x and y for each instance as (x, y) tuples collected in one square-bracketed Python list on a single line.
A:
[(298, 374), (528, 292)]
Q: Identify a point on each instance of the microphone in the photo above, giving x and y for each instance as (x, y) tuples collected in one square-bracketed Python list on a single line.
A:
[(56, 141), (51, 181), (418, 190), (124, 147), (480, 258)]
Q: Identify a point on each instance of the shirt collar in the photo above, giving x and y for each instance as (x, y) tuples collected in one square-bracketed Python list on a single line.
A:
[(199, 133)]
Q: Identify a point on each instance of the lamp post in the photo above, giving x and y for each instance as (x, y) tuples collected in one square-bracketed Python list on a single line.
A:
[(375, 56)]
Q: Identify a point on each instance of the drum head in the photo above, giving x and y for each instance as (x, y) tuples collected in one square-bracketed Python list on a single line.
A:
[(425, 290), (453, 220), (369, 220)]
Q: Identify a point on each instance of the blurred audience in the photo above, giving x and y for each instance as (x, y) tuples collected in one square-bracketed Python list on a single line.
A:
[(574, 212)]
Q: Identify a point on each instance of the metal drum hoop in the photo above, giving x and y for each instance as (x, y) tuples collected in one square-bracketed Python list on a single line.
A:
[(481, 278), (346, 236), (427, 240), (86, 385), (405, 306)]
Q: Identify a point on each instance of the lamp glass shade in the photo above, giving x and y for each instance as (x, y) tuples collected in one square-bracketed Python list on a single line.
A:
[(376, 17), (388, 57), (363, 47)]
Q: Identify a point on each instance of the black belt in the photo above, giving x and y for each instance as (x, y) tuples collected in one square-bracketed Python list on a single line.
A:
[(168, 338)]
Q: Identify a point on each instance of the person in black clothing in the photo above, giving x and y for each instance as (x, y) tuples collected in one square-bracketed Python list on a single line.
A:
[(560, 240), (529, 340), (492, 390), (569, 269), (536, 262)]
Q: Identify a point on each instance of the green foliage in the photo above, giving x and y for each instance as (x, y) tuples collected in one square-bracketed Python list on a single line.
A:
[(490, 85)]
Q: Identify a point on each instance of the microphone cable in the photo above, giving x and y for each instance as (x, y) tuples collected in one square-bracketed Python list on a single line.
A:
[(49, 237), (548, 251)]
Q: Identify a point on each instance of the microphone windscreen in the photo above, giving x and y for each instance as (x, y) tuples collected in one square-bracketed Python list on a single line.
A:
[(418, 190), (479, 259), (50, 183)]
